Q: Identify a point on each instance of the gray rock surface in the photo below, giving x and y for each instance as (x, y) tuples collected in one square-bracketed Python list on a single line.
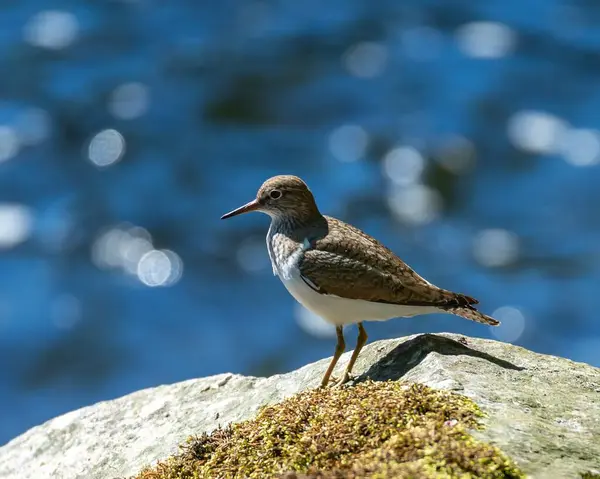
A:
[(543, 411)]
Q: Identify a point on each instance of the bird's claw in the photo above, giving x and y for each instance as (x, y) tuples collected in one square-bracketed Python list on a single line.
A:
[(335, 382)]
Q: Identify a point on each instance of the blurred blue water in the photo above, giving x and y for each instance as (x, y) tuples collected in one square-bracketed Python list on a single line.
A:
[(494, 104)]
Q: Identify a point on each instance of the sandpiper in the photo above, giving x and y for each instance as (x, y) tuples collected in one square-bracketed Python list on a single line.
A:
[(341, 273)]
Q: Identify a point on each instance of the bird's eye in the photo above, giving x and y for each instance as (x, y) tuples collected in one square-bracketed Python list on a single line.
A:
[(275, 194)]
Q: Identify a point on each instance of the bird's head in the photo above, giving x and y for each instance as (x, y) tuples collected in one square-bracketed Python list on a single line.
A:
[(280, 197)]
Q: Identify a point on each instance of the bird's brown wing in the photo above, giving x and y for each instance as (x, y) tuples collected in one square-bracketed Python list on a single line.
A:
[(360, 267)]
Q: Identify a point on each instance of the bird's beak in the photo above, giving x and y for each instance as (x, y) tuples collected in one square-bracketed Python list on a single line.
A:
[(247, 208)]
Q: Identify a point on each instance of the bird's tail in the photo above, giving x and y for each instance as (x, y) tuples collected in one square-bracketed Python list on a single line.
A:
[(469, 312)]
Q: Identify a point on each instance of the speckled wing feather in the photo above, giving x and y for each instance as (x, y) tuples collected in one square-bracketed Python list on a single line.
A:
[(360, 267)]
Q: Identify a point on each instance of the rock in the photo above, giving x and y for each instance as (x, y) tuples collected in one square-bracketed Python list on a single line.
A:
[(543, 411)]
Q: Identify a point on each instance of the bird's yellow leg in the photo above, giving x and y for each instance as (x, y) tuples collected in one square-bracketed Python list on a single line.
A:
[(360, 342), (340, 347)]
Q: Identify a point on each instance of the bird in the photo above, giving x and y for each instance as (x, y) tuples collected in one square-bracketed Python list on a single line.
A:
[(341, 273)]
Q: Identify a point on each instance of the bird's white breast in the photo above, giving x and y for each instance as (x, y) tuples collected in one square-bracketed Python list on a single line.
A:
[(335, 309)]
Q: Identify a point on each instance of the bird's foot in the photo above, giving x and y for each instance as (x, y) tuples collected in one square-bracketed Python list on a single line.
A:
[(335, 382)]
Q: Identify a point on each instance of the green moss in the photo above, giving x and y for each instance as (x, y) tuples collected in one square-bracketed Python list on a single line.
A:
[(373, 430)]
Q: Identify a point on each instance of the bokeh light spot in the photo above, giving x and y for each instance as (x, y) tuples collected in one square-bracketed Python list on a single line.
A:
[(154, 268), (312, 324), (106, 249), (129, 101), (348, 143), (176, 267), (129, 248), (9, 143), (580, 147), (512, 324), (403, 165), (456, 154), (51, 29), (536, 131), (15, 224), (486, 39), (495, 247), (106, 148), (366, 59), (416, 204)]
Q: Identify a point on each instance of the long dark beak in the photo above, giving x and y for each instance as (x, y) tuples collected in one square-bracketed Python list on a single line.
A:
[(247, 208)]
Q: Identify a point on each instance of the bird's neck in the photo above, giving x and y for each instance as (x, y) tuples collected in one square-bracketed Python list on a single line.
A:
[(290, 236), (298, 228)]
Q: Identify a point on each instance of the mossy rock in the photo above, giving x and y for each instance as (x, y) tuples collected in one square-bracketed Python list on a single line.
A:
[(542, 411), (372, 430)]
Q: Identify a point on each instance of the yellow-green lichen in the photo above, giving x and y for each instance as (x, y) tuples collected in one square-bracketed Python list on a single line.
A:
[(373, 430)]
